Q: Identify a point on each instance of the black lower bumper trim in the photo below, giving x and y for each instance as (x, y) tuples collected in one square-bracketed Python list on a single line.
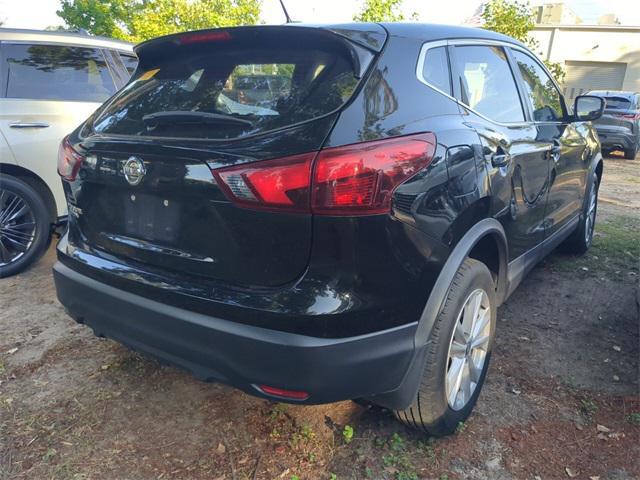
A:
[(215, 349)]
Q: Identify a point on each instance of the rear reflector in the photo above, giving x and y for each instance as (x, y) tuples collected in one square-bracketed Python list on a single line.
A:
[(69, 160), (357, 179), (281, 393)]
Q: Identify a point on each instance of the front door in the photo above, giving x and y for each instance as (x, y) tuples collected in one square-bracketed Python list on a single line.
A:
[(564, 142)]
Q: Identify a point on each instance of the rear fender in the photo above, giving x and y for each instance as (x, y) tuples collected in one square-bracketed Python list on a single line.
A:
[(489, 227)]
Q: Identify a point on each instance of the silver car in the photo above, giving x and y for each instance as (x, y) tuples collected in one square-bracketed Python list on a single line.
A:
[(49, 83), (619, 126)]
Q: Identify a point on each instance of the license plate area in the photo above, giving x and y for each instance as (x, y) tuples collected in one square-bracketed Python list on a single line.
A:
[(151, 217)]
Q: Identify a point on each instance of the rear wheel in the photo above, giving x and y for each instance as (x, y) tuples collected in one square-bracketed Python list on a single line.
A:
[(630, 153), (24, 225), (458, 355)]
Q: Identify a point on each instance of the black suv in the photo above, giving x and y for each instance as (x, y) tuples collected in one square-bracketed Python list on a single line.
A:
[(352, 235)]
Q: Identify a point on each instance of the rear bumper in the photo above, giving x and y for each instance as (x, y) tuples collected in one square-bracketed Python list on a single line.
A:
[(612, 139), (215, 349)]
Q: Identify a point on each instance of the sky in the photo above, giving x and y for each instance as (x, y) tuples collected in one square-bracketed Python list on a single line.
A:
[(39, 14)]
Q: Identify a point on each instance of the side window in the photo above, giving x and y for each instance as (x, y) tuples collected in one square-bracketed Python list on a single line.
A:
[(130, 62), (435, 70), (539, 89), (54, 72), (487, 84)]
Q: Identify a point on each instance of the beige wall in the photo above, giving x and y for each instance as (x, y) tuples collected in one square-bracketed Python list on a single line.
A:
[(593, 44)]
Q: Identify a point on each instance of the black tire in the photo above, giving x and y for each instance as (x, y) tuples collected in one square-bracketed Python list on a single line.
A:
[(580, 240), (430, 411), (11, 188), (630, 153)]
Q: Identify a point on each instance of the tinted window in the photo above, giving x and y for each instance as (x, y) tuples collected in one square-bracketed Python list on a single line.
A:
[(230, 92), (539, 89), (130, 62), (618, 103), (487, 84), (436, 69), (52, 72)]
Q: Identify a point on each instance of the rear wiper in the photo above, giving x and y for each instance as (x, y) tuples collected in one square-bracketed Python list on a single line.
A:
[(187, 116)]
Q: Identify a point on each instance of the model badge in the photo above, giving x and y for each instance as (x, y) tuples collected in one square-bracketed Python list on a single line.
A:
[(134, 170)]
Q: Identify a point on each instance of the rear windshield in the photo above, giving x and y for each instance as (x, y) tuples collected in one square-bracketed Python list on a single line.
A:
[(618, 103), (226, 91)]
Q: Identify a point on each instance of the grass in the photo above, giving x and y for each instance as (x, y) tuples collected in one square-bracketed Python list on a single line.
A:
[(615, 249)]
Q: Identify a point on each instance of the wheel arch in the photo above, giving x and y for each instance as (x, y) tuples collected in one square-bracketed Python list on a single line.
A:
[(39, 185), (480, 240)]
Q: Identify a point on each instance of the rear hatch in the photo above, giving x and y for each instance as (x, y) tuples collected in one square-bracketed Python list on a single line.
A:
[(620, 115), (202, 101)]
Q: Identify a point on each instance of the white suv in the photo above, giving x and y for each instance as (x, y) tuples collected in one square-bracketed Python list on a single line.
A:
[(49, 83)]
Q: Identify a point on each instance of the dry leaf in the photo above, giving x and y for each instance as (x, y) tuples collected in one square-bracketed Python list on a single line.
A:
[(570, 472), (221, 448), (602, 428)]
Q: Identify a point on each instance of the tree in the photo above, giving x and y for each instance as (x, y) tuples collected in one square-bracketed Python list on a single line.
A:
[(137, 20), (515, 18), (380, 11)]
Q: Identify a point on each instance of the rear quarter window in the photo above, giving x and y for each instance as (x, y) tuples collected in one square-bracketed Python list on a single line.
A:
[(56, 72), (230, 92)]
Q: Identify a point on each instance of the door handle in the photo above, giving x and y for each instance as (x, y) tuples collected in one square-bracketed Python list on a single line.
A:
[(29, 125), (500, 159), (554, 152)]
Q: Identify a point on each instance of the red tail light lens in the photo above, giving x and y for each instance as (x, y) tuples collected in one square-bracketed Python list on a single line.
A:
[(204, 37), (69, 160), (281, 184), (357, 179), (286, 394), (361, 178), (628, 116)]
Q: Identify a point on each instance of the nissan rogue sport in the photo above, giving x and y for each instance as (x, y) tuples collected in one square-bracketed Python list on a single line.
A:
[(348, 237)]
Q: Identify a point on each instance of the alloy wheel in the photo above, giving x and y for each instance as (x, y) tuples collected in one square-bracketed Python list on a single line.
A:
[(468, 349), (17, 227)]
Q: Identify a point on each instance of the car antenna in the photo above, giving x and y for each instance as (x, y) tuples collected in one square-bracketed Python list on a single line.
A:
[(286, 14)]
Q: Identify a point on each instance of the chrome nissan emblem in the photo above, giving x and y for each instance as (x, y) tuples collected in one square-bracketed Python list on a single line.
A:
[(134, 170)]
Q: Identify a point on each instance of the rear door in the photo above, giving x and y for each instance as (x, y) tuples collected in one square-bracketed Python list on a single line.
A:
[(198, 103), (47, 91), (565, 143), (516, 158)]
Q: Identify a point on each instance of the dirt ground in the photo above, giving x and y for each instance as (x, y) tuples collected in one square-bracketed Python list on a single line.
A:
[(561, 398)]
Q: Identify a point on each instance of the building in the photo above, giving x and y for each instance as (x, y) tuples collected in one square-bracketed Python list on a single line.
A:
[(555, 14), (595, 57)]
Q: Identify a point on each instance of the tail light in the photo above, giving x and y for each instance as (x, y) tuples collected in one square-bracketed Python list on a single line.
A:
[(281, 184), (361, 178), (628, 116), (69, 160), (356, 179)]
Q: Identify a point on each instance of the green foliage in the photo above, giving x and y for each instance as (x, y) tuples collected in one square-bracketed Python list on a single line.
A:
[(347, 433), (634, 418), (380, 11), (461, 427), (137, 20), (515, 18)]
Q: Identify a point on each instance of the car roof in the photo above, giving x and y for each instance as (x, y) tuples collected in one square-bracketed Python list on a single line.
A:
[(63, 38), (431, 32)]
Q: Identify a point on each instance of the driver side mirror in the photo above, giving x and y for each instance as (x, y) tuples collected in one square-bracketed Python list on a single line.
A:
[(588, 107)]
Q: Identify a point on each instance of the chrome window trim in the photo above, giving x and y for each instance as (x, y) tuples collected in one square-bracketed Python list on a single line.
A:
[(479, 42)]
